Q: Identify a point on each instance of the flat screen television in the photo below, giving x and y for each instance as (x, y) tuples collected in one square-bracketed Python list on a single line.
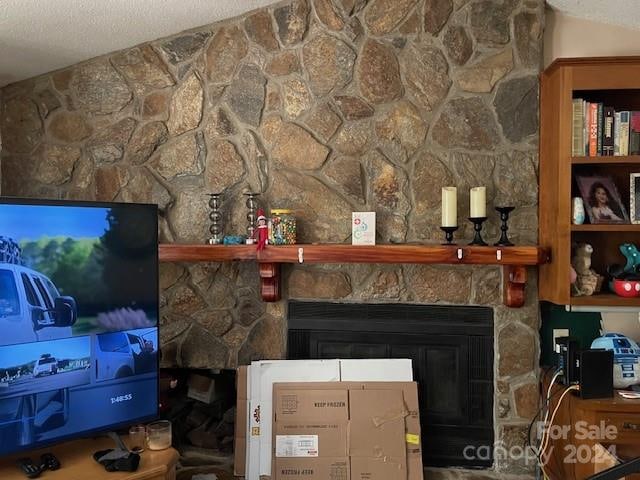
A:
[(78, 319)]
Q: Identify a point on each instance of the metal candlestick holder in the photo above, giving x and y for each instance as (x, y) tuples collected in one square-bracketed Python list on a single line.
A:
[(504, 216), (477, 226), (215, 216), (252, 205), (448, 234)]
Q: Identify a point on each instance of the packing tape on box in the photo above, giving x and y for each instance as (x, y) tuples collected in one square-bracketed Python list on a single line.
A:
[(413, 439), (381, 420), (378, 455)]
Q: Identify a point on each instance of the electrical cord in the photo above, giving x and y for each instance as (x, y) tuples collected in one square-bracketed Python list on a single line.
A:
[(547, 436), (545, 404), (540, 410)]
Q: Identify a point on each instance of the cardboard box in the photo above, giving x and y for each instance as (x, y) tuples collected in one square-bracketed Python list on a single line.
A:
[(263, 375), (376, 426), (257, 446), (314, 469), (376, 370), (240, 436), (201, 388), (379, 425)]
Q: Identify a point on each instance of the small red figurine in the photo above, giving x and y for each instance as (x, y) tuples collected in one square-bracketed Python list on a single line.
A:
[(263, 232)]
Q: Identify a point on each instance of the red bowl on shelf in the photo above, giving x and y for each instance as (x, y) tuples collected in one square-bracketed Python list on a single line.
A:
[(626, 288)]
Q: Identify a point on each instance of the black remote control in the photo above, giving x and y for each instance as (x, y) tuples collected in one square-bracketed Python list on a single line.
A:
[(49, 461), (29, 468)]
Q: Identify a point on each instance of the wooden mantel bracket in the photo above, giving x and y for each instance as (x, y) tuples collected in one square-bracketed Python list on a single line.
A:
[(514, 279), (269, 281)]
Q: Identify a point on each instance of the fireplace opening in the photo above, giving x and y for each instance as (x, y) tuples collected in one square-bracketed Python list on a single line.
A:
[(452, 352)]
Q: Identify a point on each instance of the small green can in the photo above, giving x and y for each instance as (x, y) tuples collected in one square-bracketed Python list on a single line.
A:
[(282, 227)]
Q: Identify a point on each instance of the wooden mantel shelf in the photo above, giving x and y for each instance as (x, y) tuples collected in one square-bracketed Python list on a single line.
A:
[(513, 259)]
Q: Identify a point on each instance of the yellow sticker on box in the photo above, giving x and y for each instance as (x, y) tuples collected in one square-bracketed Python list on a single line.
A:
[(413, 439)]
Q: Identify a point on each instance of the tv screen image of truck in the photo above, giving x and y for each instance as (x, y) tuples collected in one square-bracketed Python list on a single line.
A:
[(79, 319)]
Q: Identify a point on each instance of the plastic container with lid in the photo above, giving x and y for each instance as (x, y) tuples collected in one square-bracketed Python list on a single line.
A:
[(282, 227)]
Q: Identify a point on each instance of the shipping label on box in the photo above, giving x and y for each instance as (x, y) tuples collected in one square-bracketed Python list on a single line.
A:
[(332, 436), (363, 228), (294, 446)]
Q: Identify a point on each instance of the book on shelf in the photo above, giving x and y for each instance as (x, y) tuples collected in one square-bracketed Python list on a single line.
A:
[(608, 116), (598, 129), (593, 129), (616, 133), (577, 146), (624, 132), (634, 134)]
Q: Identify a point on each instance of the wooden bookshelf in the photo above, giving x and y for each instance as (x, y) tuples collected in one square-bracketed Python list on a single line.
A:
[(614, 81), (512, 259)]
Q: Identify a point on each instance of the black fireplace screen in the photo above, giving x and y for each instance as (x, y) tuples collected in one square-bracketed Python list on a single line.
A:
[(452, 352)]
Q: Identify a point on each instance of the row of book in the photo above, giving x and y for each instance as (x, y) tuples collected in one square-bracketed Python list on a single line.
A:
[(599, 130)]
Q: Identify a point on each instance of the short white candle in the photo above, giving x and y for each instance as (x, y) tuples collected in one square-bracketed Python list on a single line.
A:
[(478, 206), (449, 207)]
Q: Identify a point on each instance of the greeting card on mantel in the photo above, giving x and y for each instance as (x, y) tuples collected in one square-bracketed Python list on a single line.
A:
[(363, 228)]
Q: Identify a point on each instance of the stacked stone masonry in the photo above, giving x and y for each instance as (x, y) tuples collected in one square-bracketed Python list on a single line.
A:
[(325, 107)]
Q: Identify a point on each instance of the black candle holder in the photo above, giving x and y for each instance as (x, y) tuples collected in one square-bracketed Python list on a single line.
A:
[(448, 234), (504, 216), (477, 226)]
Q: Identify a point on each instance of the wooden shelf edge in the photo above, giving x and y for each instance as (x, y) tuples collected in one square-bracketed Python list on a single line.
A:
[(423, 254), (512, 259), (608, 227), (611, 159), (605, 300), (343, 253), (174, 252)]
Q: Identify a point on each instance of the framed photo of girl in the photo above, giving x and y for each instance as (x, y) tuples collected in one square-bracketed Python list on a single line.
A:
[(634, 194), (601, 199)]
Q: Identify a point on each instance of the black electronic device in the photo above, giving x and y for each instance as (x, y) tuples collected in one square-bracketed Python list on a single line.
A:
[(595, 370), (49, 461), (29, 468), (566, 349)]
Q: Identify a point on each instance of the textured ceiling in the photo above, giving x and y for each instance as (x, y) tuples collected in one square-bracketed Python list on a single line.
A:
[(38, 36), (616, 12)]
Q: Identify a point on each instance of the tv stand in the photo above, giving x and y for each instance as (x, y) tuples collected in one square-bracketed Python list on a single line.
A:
[(77, 463)]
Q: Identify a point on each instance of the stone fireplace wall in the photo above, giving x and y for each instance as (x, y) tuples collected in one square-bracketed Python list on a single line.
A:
[(324, 106)]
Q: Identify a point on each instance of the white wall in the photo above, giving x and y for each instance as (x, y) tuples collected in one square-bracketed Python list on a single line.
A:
[(566, 36)]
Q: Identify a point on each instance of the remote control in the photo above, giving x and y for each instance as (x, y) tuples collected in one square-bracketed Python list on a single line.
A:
[(29, 468)]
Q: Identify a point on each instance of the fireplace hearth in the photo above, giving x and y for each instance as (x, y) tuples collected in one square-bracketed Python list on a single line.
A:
[(453, 361)]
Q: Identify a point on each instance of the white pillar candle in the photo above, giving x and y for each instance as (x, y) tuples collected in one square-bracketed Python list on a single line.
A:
[(449, 207), (478, 206)]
